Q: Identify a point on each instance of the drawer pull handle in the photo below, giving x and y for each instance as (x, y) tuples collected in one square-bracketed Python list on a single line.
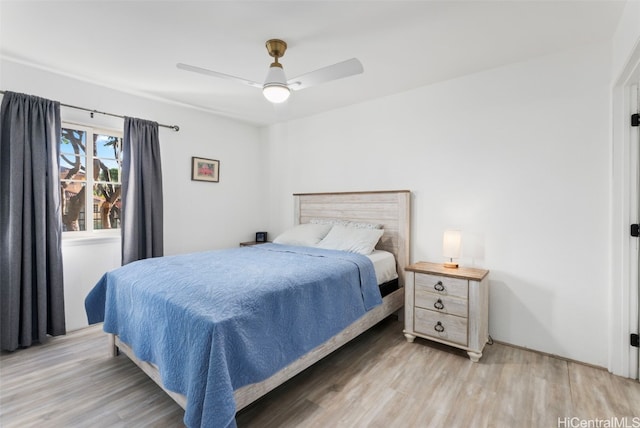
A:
[(439, 327), (439, 286), (438, 305)]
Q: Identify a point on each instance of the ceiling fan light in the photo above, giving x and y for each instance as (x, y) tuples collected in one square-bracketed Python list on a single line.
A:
[(276, 93), (275, 87)]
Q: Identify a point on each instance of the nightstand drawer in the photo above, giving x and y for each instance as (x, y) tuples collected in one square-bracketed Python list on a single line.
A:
[(441, 326), (443, 304), (442, 285)]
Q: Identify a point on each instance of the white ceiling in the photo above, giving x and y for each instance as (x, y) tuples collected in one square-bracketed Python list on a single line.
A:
[(134, 45)]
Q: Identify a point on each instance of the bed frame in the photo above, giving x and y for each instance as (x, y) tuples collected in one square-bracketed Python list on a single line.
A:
[(389, 208)]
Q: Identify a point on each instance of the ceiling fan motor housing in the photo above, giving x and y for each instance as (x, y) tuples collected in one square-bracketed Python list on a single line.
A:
[(276, 48)]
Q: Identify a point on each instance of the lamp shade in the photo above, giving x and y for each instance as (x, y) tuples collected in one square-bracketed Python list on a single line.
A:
[(451, 244), (275, 87)]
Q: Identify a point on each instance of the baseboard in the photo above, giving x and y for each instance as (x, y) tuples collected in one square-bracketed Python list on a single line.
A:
[(547, 354)]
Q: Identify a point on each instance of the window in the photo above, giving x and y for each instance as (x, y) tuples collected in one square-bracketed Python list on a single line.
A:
[(90, 180)]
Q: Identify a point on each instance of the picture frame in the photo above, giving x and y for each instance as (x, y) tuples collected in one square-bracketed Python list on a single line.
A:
[(203, 169), (261, 236)]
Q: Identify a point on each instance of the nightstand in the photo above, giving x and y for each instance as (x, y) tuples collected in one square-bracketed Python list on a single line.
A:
[(250, 243), (449, 306)]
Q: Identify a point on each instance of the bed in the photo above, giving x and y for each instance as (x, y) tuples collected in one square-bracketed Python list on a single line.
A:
[(351, 309)]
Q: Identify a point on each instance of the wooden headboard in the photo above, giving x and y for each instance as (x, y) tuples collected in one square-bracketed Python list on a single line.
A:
[(390, 208)]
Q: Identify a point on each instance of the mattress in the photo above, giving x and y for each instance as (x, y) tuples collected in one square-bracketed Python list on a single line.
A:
[(384, 265)]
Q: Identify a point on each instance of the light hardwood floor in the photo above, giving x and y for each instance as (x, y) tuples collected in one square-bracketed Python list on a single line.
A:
[(378, 380)]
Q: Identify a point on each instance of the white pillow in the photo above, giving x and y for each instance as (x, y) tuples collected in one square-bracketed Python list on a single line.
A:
[(303, 234), (352, 239), (364, 225)]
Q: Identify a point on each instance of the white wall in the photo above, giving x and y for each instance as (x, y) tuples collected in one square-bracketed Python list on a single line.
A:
[(197, 215), (516, 157), (84, 262)]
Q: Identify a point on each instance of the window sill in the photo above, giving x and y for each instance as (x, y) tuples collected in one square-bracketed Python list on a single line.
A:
[(89, 240)]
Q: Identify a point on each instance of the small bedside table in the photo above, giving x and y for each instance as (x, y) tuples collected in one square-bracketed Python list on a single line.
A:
[(250, 243), (449, 306)]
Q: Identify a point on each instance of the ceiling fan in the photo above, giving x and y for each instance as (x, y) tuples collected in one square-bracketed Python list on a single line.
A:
[(276, 88)]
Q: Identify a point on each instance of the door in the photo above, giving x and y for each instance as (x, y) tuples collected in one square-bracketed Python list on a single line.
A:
[(634, 216)]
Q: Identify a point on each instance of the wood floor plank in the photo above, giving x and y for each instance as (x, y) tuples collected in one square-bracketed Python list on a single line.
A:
[(378, 380)]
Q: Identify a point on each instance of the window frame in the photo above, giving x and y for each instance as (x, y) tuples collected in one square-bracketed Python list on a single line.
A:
[(90, 231)]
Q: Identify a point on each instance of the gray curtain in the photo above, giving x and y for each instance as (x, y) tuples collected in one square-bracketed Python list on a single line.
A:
[(31, 283), (141, 191)]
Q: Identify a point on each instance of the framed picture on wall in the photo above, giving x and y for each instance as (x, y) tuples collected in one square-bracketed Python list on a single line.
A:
[(205, 169)]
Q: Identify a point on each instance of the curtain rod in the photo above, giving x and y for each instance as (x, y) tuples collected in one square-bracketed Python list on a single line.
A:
[(174, 127)]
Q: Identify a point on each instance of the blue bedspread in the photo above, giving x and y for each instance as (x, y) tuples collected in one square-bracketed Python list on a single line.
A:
[(215, 321)]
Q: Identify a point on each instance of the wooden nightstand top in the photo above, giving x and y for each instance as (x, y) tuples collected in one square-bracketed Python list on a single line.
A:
[(250, 243), (472, 274)]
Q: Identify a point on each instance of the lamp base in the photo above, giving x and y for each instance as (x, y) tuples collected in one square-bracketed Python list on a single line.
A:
[(451, 265)]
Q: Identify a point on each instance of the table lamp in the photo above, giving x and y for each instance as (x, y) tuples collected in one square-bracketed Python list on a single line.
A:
[(451, 247)]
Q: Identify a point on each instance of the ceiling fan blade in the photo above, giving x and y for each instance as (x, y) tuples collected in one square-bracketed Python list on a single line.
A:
[(218, 74), (342, 69)]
